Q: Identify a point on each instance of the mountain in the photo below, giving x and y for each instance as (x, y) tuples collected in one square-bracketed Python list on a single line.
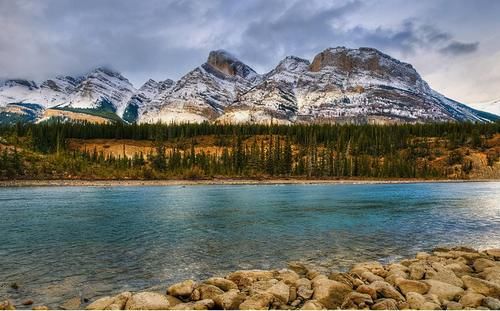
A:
[(492, 106), (339, 85)]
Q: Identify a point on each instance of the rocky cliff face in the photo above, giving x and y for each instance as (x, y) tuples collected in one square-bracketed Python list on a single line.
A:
[(340, 85)]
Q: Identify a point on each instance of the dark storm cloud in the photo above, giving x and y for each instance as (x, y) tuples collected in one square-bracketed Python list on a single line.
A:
[(165, 39), (459, 48)]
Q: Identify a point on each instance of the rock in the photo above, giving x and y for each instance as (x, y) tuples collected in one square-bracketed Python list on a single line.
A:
[(440, 273), (205, 291), (244, 278), (482, 263), (280, 291), (119, 301), (329, 293), (417, 301), (304, 292), (369, 265), (303, 282), (386, 290), (385, 304), (295, 303), (491, 303), (72, 304), (7, 305), (471, 299), (453, 305), (370, 277), (230, 300), (493, 252), (287, 276), (345, 278), (298, 267), (40, 308), (480, 286), (312, 274), (365, 289), (147, 301), (491, 274), (407, 286), (292, 293), (27, 302), (222, 283), (355, 299), (182, 289), (417, 270), (444, 290), (101, 303), (261, 286), (313, 305), (422, 255), (173, 300), (204, 304), (260, 301), (459, 268)]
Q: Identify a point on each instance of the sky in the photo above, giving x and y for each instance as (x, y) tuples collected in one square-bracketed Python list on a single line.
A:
[(453, 44)]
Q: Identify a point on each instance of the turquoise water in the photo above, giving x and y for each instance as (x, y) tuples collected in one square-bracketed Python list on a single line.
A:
[(62, 242)]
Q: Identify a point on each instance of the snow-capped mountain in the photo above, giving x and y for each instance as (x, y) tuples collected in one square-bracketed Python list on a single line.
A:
[(339, 85), (492, 106)]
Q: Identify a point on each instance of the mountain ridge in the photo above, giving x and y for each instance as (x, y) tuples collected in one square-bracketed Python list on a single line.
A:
[(339, 85)]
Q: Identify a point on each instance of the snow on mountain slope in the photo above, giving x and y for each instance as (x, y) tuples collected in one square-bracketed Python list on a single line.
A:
[(204, 93), (102, 89), (492, 106), (140, 100)]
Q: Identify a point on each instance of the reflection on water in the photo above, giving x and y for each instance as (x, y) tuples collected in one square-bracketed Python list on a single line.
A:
[(57, 243)]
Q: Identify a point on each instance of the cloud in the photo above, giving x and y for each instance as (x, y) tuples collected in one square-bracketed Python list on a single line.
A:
[(460, 48)]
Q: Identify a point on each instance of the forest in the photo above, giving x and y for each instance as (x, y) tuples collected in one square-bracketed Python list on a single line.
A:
[(202, 151)]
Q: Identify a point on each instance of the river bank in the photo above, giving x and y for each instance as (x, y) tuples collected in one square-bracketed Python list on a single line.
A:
[(219, 181), (446, 278)]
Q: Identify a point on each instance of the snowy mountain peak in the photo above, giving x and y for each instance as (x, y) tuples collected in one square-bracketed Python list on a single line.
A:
[(293, 64), (19, 83), (228, 64)]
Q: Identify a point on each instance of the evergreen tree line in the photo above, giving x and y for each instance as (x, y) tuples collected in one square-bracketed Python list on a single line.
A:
[(321, 151)]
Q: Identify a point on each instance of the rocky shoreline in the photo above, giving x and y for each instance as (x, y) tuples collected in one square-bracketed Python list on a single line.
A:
[(446, 278)]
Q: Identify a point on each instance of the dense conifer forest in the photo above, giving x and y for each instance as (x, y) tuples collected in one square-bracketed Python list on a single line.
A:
[(194, 151)]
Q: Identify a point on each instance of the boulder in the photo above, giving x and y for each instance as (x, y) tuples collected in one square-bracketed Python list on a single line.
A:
[(494, 253), (230, 300), (147, 301), (298, 267), (365, 289), (329, 293), (304, 293), (27, 302), (182, 289), (482, 263), (417, 301), (101, 303), (205, 291), (222, 283), (459, 268), (443, 290), (491, 274), (204, 304), (293, 293), (261, 286), (287, 276), (491, 303), (422, 255), (369, 265), (440, 273), (417, 270), (260, 301), (356, 300), (370, 277), (173, 301), (471, 299), (312, 274), (303, 282), (346, 278), (481, 286), (386, 290), (385, 304), (406, 286), (313, 305), (119, 301), (244, 278), (280, 291), (40, 308)]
